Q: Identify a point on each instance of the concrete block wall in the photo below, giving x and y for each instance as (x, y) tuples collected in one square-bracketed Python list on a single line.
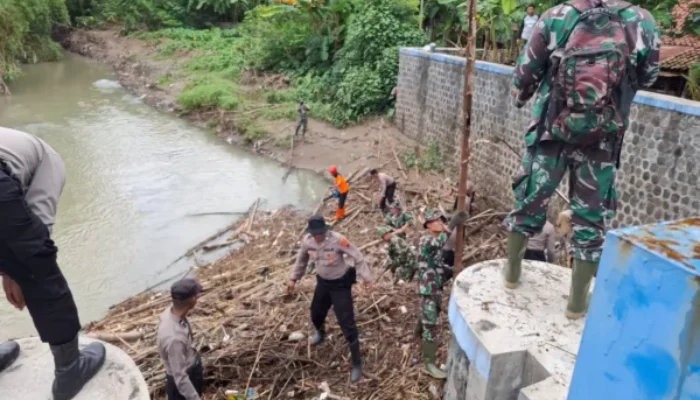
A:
[(660, 170)]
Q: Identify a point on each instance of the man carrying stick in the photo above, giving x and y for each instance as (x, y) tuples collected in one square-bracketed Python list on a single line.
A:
[(334, 279), (341, 189), (388, 186)]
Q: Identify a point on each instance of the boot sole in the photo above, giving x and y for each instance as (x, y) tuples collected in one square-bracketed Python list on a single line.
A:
[(511, 285), (434, 376), (575, 315)]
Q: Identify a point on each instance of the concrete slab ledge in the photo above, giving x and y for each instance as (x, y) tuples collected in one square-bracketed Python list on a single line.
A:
[(31, 375), (671, 103), (511, 344)]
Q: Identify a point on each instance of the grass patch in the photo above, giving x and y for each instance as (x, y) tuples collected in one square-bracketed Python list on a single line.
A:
[(431, 159), (165, 80), (281, 96), (286, 111), (210, 94), (254, 133), (284, 141)]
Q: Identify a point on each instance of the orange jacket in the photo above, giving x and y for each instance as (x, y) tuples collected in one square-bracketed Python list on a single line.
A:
[(341, 184)]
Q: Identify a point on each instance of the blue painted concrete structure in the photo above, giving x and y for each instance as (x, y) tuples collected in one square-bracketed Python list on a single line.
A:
[(642, 334)]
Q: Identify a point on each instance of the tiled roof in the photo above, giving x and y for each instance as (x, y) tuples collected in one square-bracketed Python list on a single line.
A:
[(678, 54), (685, 41), (679, 58)]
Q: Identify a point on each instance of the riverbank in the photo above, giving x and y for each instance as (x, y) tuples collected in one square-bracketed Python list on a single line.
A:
[(141, 69), (254, 334), (245, 319)]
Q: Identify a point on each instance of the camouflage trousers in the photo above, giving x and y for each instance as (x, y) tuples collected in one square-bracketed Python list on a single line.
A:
[(430, 316), (591, 191), (405, 270)]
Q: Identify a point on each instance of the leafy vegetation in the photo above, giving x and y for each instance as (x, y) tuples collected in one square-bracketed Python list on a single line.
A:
[(431, 160), (25, 33), (342, 56), (209, 94), (692, 87)]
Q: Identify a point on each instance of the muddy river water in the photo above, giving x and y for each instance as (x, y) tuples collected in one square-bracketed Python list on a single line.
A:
[(142, 187)]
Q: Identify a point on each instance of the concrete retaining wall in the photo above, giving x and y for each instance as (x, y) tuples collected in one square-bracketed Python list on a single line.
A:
[(660, 168)]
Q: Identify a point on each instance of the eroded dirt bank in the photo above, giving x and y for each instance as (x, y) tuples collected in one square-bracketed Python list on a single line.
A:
[(139, 69)]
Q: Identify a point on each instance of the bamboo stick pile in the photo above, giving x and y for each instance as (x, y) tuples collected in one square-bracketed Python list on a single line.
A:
[(245, 319)]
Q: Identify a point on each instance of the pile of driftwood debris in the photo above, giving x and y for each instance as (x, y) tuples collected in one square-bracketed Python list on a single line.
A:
[(253, 334)]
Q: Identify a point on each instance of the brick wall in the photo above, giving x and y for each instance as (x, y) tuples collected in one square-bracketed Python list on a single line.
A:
[(658, 178)]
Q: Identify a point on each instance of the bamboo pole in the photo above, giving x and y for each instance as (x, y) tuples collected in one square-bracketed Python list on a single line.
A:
[(466, 128)]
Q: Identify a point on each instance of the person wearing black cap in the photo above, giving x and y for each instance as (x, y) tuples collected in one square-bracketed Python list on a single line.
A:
[(183, 368), (32, 176), (325, 251)]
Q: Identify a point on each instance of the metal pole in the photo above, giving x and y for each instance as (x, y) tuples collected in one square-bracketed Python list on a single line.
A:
[(466, 128)]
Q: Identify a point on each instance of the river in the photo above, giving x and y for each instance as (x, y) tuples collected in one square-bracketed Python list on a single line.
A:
[(142, 186)]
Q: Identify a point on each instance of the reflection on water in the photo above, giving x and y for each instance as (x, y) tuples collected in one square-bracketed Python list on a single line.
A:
[(142, 187)]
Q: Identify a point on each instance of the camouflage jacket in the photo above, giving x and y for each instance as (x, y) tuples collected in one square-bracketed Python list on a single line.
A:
[(430, 264), (398, 222), (402, 258), (550, 33)]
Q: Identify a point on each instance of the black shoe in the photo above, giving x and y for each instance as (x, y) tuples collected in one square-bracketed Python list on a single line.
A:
[(74, 368), (356, 357), (317, 337), (9, 351)]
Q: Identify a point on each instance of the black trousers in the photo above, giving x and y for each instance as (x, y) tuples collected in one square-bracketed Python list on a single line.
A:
[(196, 374), (536, 255), (336, 293), (28, 256), (388, 196), (341, 200)]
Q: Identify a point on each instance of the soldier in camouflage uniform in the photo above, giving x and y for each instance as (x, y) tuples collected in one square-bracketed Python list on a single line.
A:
[(402, 257), (398, 219), (431, 269), (585, 61)]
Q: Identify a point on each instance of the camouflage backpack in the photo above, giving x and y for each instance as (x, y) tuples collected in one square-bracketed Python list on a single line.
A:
[(591, 77)]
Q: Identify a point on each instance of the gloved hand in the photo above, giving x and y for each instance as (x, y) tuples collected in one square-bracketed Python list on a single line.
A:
[(457, 220), (448, 273)]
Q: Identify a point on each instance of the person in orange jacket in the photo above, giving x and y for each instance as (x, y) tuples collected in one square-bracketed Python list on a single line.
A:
[(341, 191)]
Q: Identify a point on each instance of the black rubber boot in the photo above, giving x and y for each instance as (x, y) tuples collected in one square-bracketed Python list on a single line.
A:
[(429, 355), (581, 278), (317, 337), (74, 368), (418, 330), (517, 244), (356, 357), (9, 351)]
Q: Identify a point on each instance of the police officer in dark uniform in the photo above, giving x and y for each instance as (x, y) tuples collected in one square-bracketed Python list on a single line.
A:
[(32, 175)]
